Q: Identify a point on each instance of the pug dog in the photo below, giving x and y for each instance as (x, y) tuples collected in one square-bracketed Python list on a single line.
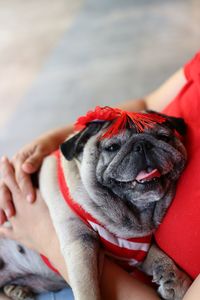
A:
[(109, 188)]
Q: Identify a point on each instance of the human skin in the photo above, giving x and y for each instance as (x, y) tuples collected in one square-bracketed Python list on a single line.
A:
[(194, 291), (16, 188)]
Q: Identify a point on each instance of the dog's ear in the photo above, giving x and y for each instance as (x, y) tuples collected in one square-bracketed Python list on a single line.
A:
[(75, 145), (178, 124), (175, 123)]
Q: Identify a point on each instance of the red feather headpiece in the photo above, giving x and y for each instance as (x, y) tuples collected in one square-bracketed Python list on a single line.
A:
[(120, 119)]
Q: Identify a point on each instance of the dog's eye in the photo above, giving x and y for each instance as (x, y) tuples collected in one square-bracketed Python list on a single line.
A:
[(164, 137), (113, 147)]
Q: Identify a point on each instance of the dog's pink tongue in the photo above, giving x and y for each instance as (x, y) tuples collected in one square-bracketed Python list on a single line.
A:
[(144, 175)]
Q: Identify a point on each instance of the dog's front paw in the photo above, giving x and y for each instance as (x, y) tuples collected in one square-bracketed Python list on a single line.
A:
[(16, 292), (173, 283)]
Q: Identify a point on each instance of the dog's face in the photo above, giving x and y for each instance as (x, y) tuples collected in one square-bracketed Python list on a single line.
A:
[(137, 167), (140, 166)]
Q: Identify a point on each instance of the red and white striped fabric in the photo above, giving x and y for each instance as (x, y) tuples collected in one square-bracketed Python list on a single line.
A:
[(128, 253)]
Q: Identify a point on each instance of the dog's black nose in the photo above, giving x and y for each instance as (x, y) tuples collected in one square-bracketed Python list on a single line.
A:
[(142, 146)]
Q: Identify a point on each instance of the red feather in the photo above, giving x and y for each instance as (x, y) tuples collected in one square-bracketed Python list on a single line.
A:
[(120, 120)]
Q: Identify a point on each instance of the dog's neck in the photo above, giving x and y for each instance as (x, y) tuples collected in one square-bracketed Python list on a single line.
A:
[(109, 209)]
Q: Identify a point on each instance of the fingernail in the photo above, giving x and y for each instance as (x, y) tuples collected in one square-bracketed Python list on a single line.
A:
[(30, 198)]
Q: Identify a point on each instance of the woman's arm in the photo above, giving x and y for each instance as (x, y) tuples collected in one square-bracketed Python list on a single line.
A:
[(27, 161), (159, 98)]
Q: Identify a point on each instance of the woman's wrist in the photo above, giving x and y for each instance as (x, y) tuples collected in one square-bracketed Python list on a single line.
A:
[(52, 139), (133, 105), (59, 135)]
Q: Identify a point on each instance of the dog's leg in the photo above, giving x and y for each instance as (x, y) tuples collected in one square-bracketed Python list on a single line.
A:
[(77, 241), (173, 283), (80, 251)]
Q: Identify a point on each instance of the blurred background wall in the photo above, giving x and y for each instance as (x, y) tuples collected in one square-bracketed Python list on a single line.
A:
[(58, 58)]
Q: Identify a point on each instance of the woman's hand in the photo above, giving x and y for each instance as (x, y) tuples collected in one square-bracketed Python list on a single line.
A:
[(29, 159), (26, 162), (32, 225)]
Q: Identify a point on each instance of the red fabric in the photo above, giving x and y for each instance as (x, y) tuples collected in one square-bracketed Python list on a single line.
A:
[(66, 195), (49, 264), (179, 233)]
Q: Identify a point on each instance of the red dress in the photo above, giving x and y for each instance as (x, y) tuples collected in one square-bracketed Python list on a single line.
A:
[(179, 233)]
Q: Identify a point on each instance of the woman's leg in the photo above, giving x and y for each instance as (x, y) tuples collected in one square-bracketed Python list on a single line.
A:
[(194, 291), (116, 284)]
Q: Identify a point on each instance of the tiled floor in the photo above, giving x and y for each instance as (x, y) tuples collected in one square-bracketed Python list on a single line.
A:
[(112, 50)]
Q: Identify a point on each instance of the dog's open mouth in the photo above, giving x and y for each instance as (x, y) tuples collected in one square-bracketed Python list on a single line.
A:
[(146, 177), (148, 180)]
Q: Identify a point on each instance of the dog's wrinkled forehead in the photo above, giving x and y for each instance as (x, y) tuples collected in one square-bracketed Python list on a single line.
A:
[(127, 136)]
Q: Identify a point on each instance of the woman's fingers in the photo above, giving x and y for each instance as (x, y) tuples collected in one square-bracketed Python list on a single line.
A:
[(7, 187), (33, 162), (8, 175), (7, 209), (26, 162), (23, 179)]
